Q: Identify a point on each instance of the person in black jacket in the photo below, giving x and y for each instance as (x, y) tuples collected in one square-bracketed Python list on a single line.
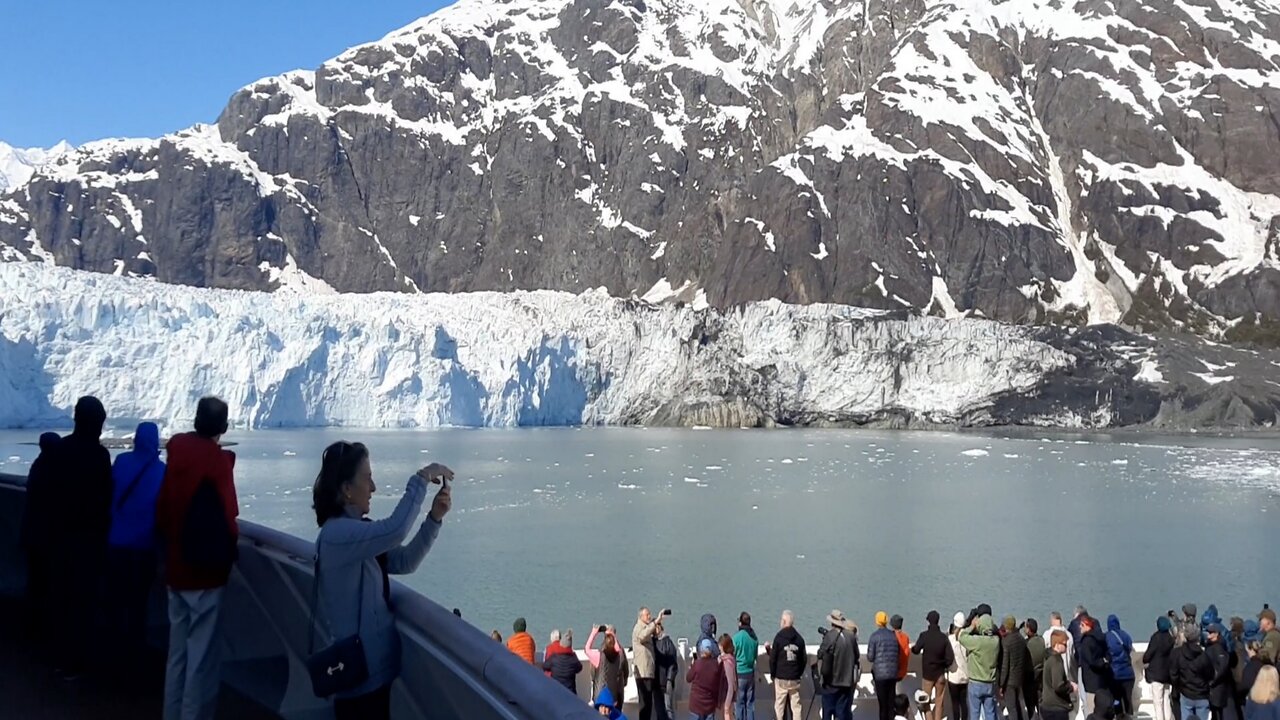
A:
[(838, 657), (1015, 667), (37, 519), (667, 662), (1095, 667), (1157, 658), (787, 661), (1222, 690), (564, 666), (1192, 673), (936, 657), (80, 479)]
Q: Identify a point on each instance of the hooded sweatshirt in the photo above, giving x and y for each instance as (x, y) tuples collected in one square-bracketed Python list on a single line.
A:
[(136, 476), (1192, 670), (1158, 656), (787, 655), (1120, 647), (605, 698), (708, 627), (983, 648)]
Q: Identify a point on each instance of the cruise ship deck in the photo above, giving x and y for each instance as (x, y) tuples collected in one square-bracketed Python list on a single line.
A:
[(452, 671)]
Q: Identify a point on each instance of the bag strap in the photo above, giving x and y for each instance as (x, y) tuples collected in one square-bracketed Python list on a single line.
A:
[(129, 490), (315, 597)]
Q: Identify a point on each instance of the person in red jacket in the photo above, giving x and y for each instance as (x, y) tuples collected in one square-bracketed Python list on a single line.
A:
[(706, 682), (196, 518)]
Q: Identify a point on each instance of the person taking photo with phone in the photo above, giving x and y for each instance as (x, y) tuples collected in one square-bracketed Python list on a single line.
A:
[(355, 557)]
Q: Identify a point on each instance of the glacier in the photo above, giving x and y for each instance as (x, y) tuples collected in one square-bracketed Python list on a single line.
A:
[(295, 358)]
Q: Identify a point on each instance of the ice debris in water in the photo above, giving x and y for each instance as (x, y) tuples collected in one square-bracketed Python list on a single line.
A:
[(975, 452)]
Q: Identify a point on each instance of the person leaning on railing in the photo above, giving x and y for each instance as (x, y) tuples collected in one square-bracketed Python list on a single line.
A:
[(355, 557)]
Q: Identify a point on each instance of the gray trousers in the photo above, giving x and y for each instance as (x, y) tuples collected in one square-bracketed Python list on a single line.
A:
[(191, 679), (1015, 704)]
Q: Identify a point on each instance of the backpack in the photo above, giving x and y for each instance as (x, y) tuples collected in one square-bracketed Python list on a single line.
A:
[(207, 540)]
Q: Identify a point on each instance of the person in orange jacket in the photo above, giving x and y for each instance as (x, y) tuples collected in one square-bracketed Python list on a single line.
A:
[(904, 646), (521, 643)]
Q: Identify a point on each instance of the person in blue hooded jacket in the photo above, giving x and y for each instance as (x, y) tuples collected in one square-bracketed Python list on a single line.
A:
[(607, 706), (1120, 648), (708, 627), (131, 543)]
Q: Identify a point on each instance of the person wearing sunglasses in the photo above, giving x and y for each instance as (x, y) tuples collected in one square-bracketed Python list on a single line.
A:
[(355, 556)]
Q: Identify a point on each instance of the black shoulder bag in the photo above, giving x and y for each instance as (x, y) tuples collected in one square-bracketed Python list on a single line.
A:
[(341, 666)]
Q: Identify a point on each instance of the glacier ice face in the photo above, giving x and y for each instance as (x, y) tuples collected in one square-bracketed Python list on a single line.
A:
[(150, 350), (17, 165)]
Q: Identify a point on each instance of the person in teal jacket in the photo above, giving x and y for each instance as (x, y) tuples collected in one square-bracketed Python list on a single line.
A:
[(746, 647)]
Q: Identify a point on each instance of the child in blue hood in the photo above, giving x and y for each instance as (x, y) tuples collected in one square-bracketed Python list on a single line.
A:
[(607, 707)]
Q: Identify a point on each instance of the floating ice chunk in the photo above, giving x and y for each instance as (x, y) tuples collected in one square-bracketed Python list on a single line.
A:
[(1011, 455), (289, 453), (975, 452), (627, 486), (714, 467), (787, 461), (692, 480), (1120, 462)]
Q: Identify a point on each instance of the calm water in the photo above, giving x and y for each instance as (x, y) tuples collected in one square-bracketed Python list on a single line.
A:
[(575, 527)]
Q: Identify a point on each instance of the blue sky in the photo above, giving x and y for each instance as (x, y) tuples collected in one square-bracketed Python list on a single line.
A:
[(86, 69)]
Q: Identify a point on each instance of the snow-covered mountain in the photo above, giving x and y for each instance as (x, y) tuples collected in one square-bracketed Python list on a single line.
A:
[(1025, 160), (150, 350), (18, 164)]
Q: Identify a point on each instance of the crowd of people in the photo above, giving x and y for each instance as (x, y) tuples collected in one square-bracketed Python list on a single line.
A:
[(977, 669), (96, 532)]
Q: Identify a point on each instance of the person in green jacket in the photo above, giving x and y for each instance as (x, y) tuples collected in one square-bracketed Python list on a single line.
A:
[(746, 646), (983, 646)]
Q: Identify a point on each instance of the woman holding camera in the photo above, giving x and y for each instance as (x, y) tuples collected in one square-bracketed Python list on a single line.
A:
[(355, 556)]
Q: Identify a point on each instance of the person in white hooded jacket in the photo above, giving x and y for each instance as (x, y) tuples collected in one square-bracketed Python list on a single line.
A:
[(958, 673)]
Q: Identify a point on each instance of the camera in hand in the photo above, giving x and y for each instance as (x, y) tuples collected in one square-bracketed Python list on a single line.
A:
[(823, 630), (666, 612)]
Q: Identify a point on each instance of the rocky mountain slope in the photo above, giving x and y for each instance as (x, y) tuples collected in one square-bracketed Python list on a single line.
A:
[(149, 350), (1023, 160)]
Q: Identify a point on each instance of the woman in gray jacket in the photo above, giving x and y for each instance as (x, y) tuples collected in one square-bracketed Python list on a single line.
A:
[(356, 555)]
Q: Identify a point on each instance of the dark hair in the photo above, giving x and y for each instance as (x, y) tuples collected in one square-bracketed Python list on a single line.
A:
[(211, 417), (338, 466), (901, 705), (744, 620), (895, 622), (1032, 625)]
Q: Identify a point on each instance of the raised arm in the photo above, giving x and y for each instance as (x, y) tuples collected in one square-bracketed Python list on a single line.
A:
[(406, 558), (356, 541)]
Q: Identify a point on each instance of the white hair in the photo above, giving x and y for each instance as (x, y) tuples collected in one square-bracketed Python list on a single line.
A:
[(788, 619), (566, 638), (555, 636)]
